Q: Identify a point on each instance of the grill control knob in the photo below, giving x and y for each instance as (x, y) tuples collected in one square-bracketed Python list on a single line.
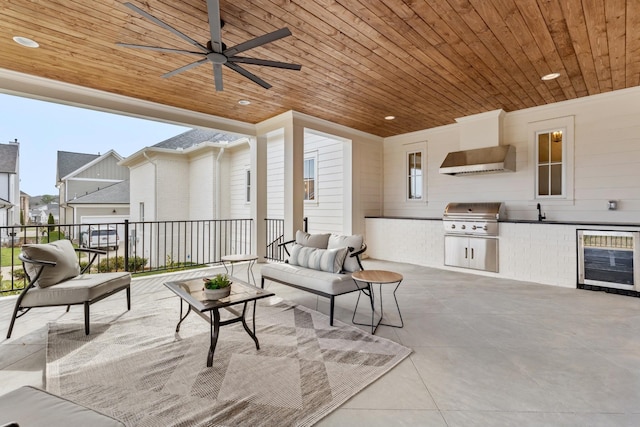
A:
[(463, 226), (473, 227), (485, 228), (453, 226)]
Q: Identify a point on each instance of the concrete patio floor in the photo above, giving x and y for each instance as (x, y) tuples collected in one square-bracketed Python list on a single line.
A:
[(486, 351)]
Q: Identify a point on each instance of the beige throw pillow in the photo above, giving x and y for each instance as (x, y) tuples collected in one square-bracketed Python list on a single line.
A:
[(354, 241), (312, 240), (61, 252), (318, 259)]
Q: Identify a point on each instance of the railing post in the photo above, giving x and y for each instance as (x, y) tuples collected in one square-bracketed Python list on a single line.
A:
[(126, 247), (305, 221)]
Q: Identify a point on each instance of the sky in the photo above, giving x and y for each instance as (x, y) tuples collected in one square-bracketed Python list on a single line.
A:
[(44, 128)]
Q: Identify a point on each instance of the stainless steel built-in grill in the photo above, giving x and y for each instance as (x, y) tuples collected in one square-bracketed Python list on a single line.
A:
[(477, 219), (471, 235)]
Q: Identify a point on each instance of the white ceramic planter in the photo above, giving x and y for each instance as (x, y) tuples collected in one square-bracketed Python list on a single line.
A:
[(217, 293)]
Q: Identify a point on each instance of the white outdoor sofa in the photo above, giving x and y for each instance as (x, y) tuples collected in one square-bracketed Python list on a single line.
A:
[(319, 263)]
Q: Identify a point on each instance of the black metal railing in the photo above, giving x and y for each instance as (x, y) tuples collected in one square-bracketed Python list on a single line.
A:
[(275, 236), (138, 247)]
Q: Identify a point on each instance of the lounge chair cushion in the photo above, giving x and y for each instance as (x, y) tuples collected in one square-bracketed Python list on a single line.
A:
[(61, 252), (79, 289), (312, 240), (354, 241), (330, 260)]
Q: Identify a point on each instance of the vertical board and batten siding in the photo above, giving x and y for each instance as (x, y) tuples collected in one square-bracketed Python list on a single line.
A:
[(106, 168), (325, 215), (239, 161)]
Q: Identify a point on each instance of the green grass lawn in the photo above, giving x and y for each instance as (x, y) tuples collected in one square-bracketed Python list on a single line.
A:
[(6, 254)]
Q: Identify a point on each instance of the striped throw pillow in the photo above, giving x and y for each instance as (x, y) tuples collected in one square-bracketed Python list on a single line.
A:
[(330, 260)]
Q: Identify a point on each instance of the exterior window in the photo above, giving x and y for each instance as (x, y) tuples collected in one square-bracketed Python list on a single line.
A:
[(414, 176), (248, 185), (551, 163), (310, 178), (141, 211)]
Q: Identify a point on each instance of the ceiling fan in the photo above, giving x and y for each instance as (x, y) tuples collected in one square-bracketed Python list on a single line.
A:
[(216, 51)]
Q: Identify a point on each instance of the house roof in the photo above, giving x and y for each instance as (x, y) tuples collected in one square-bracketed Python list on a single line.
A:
[(9, 158), (424, 62), (69, 162), (196, 136), (113, 194)]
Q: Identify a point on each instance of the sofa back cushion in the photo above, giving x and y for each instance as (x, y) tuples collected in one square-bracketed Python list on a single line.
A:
[(329, 260), (61, 252), (312, 240), (354, 241)]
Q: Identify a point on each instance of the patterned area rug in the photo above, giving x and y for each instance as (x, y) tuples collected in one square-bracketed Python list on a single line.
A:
[(134, 367)]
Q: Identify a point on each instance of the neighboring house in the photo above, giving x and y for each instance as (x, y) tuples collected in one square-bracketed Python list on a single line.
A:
[(9, 185), (40, 214), (93, 188), (188, 177)]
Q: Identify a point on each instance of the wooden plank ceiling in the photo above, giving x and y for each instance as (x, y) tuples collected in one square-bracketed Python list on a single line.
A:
[(425, 62)]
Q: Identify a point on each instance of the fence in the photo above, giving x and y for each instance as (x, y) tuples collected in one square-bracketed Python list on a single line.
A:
[(132, 246)]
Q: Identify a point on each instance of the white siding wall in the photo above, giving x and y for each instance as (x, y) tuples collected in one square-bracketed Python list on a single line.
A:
[(326, 213), (173, 188), (142, 190), (201, 190), (606, 158)]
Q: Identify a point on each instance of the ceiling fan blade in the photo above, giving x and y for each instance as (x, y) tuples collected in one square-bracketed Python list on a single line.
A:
[(247, 74), (265, 63), (159, 49), (258, 41), (184, 68), (217, 76), (166, 26), (213, 10)]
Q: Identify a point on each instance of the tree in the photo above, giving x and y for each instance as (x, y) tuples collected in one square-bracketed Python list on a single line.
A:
[(50, 220), (21, 217), (46, 199)]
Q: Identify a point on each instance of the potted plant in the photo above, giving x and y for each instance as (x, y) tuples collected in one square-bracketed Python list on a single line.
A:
[(217, 287)]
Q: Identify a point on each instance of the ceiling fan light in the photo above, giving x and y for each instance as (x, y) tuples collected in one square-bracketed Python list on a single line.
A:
[(550, 76), (244, 102), (390, 117), (26, 42)]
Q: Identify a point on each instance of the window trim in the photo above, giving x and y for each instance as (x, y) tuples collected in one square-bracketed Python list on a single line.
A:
[(247, 185), (311, 155), (566, 125), (423, 157)]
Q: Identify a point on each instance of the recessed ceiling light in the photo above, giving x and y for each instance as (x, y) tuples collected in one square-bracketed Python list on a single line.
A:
[(551, 76), (390, 117), (23, 41), (244, 102)]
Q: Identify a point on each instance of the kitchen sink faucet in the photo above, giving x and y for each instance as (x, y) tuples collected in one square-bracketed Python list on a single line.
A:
[(540, 216)]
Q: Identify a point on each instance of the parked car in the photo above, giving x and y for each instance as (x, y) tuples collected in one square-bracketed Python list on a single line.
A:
[(97, 238)]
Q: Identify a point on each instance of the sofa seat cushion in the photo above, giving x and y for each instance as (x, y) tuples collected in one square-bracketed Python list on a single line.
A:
[(29, 406), (321, 281), (85, 287)]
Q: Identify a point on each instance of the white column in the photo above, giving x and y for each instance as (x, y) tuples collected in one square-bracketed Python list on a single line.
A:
[(293, 179), (258, 154)]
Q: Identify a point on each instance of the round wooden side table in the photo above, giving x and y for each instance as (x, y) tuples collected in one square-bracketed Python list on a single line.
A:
[(365, 280), (233, 259)]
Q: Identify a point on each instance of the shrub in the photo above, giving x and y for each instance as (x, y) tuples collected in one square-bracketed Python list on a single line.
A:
[(111, 264), (19, 274), (137, 263)]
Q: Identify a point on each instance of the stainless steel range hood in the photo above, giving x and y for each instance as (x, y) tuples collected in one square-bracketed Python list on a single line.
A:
[(501, 158)]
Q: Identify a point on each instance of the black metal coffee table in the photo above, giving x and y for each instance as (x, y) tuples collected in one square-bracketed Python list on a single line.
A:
[(190, 291)]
